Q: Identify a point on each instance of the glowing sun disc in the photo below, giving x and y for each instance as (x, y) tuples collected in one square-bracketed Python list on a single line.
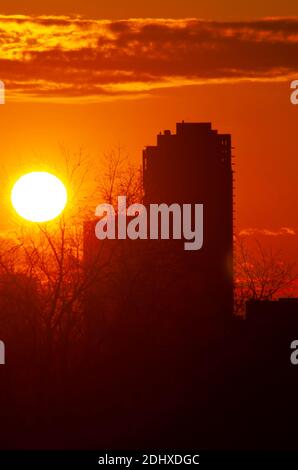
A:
[(39, 196)]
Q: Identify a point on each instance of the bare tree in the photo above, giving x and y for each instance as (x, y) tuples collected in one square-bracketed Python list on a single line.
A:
[(48, 273), (260, 274), (120, 178), (51, 255)]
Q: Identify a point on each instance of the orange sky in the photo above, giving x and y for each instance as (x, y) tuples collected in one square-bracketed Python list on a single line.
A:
[(211, 9), (97, 82)]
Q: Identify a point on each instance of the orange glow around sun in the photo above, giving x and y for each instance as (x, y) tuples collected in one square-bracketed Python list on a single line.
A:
[(39, 196)]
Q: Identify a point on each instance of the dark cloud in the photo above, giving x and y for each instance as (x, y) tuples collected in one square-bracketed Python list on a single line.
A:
[(82, 57)]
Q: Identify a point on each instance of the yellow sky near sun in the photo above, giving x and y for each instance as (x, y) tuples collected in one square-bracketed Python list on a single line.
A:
[(260, 117)]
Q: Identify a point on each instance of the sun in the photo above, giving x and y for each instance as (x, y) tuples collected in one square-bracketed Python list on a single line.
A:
[(39, 196)]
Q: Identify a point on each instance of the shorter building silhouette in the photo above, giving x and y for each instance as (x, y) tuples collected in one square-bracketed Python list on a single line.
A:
[(261, 389), (279, 317)]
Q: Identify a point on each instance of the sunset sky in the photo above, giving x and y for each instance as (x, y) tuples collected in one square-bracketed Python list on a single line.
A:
[(95, 75)]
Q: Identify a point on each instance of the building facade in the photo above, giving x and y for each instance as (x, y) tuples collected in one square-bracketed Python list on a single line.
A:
[(194, 165)]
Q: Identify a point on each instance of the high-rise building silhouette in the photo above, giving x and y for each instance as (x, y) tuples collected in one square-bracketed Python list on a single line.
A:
[(155, 313), (179, 295), (194, 166)]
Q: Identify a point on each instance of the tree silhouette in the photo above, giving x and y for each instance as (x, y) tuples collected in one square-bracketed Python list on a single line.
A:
[(260, 274)]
